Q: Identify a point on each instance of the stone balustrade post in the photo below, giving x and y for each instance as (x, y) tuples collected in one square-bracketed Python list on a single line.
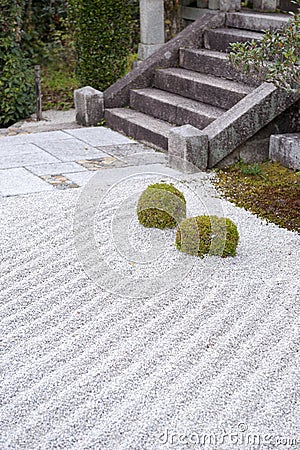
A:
[(152, 27)]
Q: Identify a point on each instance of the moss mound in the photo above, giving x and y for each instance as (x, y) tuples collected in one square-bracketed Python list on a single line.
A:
[(211, 235), (161, 205)]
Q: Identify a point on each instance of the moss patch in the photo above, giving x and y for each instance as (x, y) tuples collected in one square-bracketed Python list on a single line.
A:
[(161, 205), (269, 190), (211, 235), (58, 84)]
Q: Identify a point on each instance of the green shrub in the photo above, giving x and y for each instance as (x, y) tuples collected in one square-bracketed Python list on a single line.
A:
[(275, 58), (16, 76), (211, 235), (161, 206), (45, 29), (102, 34)]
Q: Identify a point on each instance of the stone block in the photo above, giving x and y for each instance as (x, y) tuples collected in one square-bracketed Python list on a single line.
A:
[(217, 63), (202, 3), (285, 148), (152, 21), (230, 5), (224, 95), (265, 5), (146, 50), (220, 39), (190, 13), (256, 21), (214, 4), (89, 105), (188, 148)]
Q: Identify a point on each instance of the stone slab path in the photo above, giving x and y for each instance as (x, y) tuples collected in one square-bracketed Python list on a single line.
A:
[(113, 340), (38, 162)]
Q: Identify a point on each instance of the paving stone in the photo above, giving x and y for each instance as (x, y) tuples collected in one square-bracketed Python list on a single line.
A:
[(56, 168), (72, 150), (127, 149), (99, 136), (19, 181), (80, 178), (35, 138), (17, 155)]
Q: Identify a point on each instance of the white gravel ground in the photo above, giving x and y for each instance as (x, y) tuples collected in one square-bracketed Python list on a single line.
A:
[(215, 356)]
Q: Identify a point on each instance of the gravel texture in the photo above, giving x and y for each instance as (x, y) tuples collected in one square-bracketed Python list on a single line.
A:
[(83, 367)]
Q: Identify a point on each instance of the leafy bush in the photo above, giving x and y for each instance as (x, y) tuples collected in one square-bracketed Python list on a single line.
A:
[(16, 76), (276, 58), (102, 35), (161, 206), (211, 235)]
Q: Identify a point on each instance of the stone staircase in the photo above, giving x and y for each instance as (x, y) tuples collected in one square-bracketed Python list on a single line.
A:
[(200, 90)]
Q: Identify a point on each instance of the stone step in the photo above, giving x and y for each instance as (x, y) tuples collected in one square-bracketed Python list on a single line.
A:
[(201, 87), (139, 126), (220, 38), (210, 61), (191, 13), (256, 21), (173, 108)]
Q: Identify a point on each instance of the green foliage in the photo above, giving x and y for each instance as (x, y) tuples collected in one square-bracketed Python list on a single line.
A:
[(250, 170), (211, 235), (102, 35), (16, 76), (161, 206), (46, 29), (276, 58), (58, 84)]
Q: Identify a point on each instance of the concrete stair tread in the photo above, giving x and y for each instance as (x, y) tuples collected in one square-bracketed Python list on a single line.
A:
[(208, 61), (205, 51), (254, 20), (268, 15), (209, 80), (221, 38), (143, 119), (238, 33), (140, 126), (183, 102)]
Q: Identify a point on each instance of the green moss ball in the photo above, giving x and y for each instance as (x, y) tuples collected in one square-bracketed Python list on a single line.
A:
[(161, 205), (211, 235)]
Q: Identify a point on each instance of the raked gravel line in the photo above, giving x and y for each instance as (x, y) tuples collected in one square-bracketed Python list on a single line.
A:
[(82, 368)]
